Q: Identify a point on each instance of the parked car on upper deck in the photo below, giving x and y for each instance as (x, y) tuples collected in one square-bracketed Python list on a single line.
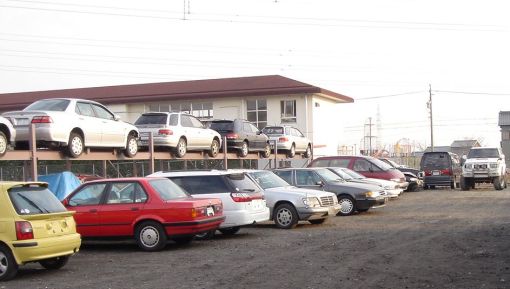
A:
[(179, 131), (34, 227), (242, 136), (7, 135), (351, 197), (289, 204), (289, 139), (73, 124)]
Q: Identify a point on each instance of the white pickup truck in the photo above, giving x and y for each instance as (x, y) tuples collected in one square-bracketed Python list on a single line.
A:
[(484, 165)]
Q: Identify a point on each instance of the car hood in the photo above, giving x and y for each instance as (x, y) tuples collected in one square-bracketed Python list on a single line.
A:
[(382, 182), (294, 191)]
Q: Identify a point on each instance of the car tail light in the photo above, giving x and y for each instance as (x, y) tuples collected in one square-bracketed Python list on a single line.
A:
[(232, 136), (165, 132), (42, 119), (218, 208), (198, 212), (283, 139), (244, 197), (24, 230), (428, 173), (446, 172)]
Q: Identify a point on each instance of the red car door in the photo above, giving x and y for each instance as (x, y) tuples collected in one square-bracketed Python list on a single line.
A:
[(123, 205), (86, 202)]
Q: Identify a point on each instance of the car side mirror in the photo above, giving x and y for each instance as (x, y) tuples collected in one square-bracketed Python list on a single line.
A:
[(259, 132), (320, 183), (371, 170), (116, 117), (65, 202)]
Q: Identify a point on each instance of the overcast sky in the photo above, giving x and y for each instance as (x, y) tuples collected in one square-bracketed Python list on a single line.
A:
[(384, 54)]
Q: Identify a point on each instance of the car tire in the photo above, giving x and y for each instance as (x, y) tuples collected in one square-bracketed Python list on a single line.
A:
[(347, 205), (464, 184), (243, 151), (183, 240), (215, 148), (131, 146), (55, 263), (292, 152), (229, 231), (181, 148), (75, 146), (499, 183), (3, 143), (308, 152), (318, 221), (150, 236), (267, 151), (285, 216), (8, 266), (206, 235)]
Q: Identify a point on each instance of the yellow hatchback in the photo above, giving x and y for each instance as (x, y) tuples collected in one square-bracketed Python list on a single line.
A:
[(34, 227)]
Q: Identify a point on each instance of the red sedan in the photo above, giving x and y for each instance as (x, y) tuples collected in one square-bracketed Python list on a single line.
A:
[(150, 209)]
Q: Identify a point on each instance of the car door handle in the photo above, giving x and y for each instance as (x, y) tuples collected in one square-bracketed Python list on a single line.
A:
[(93, 210), (134, 209)]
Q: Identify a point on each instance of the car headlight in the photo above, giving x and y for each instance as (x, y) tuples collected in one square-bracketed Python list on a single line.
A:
[(311, 202), (370, 194), (468, 166), (413, 179), (494, 166), (388, 188)]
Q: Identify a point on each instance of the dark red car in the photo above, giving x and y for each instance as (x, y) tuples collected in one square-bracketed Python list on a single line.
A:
[(152, 210)]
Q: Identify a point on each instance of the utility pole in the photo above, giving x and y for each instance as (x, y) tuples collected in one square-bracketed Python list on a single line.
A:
[(368, 151), (429, 105)]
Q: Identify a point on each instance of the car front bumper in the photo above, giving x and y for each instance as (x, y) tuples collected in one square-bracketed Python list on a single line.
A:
[(46, 248), (371, 203), (309, 213)]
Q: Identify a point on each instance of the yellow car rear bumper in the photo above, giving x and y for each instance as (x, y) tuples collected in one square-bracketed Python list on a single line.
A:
[(40, 249)]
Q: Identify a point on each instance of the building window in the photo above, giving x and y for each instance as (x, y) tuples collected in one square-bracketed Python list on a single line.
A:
[(288, 111), (200, 109), (505, 135), (256, 111)]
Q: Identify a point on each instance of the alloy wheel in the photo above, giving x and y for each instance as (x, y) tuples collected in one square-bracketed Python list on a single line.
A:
[(3, 264), (284, 217)]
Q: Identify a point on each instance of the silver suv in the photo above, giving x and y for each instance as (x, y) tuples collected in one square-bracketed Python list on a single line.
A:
[(179, 131), (484, 165), (289, 204), (288, 139)]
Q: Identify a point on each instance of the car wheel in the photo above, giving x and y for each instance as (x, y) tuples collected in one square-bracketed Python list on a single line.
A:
[(229, 231), (292, 152), (285, 216), (55, 263), (499, 183), (243, 151), (3, 144), (206, 235), (308, 152), (181, 148), (215, 148), (267, 151), (347, 205), (317, 221), (464, 184), (131, 146), (75, 145), (8, 266), (183, 240), (150, 236)]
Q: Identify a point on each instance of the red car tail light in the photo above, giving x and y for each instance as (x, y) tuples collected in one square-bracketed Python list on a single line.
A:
[(42, 119), (283, 139), (24, 230), (428, 173), (446, 172), (198, 212), (232, 136), (244, 197), (165, 132)]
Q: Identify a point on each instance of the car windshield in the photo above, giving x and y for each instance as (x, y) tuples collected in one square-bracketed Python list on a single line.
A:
[(268, 180), (391, 163), (354, 174), (483, 153), (168, 190), (328, 175), (273, 130), (49, 105), (222, 125), (243, 184), (341, 173), (382, 165), (33, 200)]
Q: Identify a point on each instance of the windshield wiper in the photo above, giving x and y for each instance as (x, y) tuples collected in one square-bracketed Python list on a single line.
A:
[(41, 209)]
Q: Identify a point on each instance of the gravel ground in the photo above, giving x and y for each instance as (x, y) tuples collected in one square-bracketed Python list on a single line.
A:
[(427, 239)]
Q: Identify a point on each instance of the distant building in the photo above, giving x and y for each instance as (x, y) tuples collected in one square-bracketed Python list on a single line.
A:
[(439, 149), (504, 124), (462, 147)]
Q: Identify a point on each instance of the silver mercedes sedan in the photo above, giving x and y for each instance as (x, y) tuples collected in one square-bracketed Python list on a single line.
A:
[(73, 124)]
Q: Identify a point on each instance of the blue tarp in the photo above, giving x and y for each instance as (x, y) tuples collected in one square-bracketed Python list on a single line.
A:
[(61, 184)]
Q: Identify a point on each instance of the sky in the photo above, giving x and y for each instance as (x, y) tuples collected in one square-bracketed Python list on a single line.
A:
[(386, 55)]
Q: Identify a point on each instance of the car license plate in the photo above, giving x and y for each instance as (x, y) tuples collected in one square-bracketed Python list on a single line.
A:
[(22, 121), (436, 173), (256, 204), (210, 211)]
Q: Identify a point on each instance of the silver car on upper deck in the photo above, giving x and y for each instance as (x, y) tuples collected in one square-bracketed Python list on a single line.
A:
[(73, 124), (288, 139)]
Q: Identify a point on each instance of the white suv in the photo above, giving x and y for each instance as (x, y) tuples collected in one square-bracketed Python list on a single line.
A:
[(243, 200), (484, 165)]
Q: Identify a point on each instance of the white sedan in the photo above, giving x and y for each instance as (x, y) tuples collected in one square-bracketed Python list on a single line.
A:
[(73, 124)]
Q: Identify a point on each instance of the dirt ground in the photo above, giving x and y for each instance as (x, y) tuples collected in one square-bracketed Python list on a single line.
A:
[(426, 239)]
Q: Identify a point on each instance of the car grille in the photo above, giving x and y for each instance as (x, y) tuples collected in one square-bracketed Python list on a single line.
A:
[(480, 167), (327, 201)]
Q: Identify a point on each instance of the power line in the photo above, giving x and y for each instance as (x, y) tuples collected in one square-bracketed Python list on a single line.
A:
[(470, 92), (389, 95)]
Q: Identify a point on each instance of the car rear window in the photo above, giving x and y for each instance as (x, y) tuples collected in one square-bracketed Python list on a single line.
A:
[(197, 185), (168, 190), (222, 125), (273, 130), (242, 183), (435, 161), (151, 119), (49, 104), (34, 200)]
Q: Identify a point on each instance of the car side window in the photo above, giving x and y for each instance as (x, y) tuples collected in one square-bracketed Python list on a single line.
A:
[(321, 163), (88, 195), (365, 166), (126, 193), (173, 120), (286, 175), (298, 133), (101, 112), (84, 109), (253, 128), (307, 178), (202, 184), (343, 163), (196, 123), (246, 127), (186, 121)]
